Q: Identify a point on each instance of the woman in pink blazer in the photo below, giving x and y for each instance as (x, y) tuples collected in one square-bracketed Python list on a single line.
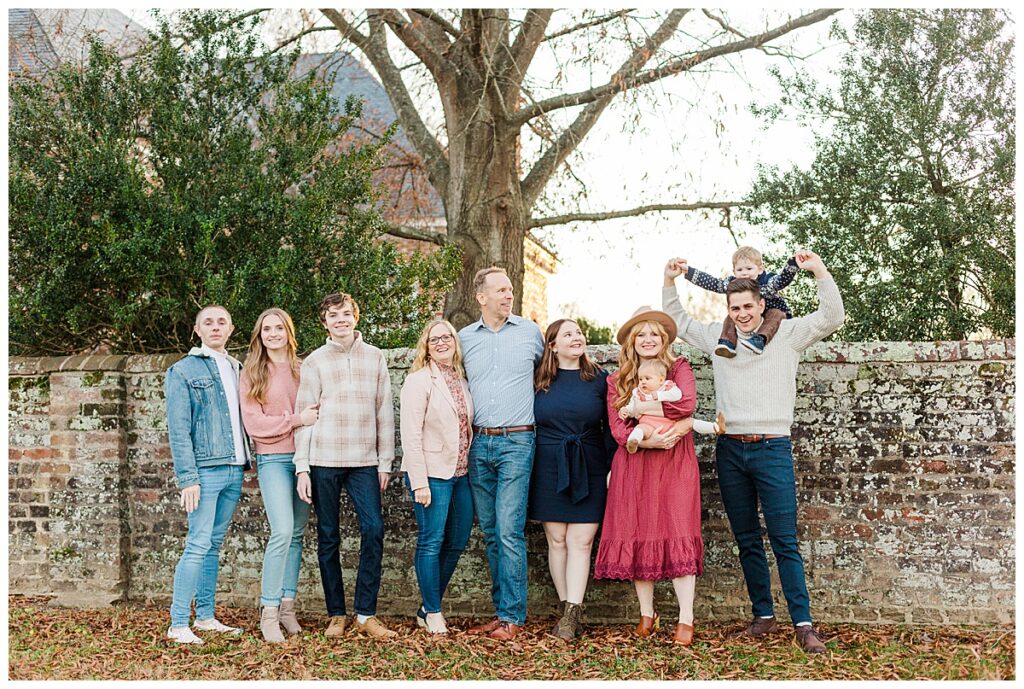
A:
[(436, 416)]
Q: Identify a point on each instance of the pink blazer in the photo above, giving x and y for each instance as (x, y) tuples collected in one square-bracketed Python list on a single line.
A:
[(430, 426)]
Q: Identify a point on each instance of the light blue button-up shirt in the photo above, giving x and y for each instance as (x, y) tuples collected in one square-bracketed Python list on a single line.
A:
[(499, 368)]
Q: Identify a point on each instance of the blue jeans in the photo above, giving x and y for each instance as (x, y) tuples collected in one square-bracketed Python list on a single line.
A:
[(444, 529), (363, 489), (220, 488), (499, 474), (287, 515), (749, 473)]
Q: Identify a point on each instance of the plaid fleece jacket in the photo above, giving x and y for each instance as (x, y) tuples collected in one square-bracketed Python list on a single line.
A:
[(356, 427)]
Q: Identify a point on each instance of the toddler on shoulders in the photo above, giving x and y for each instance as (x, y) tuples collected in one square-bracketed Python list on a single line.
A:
[(747, 263)]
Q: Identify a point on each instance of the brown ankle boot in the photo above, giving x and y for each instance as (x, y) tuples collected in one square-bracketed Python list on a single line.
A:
[(569, 627)]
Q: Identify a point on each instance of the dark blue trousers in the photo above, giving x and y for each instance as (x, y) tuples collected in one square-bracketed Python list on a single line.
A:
[(363, 488), (762, 472)]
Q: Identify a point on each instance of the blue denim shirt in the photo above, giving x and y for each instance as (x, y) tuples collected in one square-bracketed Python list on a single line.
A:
[(499, 368), (198, 420)]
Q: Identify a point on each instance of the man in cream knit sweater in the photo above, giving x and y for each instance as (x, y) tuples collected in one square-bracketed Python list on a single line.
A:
[(756, 394), (350, 447)]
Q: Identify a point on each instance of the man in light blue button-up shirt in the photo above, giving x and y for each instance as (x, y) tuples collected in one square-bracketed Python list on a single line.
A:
[(500, 352)]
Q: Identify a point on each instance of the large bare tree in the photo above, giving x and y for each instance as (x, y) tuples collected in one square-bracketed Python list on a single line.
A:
[(479, 65)]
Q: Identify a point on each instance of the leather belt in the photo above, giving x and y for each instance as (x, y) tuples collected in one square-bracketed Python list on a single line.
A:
[(503, 430), (753, 437)]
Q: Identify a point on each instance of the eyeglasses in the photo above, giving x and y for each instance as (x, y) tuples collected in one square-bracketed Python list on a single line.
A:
[(443, 339)]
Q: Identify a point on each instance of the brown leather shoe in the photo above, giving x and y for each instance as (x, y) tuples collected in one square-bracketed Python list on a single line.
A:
[(647, 625), (683, 634), (758, 626), (809, 639), (339, 623), (374, 628), (485, 628), (506, 631)]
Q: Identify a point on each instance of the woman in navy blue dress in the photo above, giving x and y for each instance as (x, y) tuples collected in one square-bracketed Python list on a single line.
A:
[(568, 485)]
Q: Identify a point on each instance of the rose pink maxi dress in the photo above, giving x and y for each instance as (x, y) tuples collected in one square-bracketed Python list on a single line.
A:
[(651, 527)]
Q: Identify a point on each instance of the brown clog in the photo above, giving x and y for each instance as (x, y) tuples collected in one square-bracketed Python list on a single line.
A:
[(647, 625), (683, 634)]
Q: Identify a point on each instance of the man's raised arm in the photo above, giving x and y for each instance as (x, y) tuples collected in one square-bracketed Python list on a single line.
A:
[(818, 325), (703, 336)]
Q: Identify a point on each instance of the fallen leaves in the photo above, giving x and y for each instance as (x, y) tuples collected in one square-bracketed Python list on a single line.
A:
[(127, 643)]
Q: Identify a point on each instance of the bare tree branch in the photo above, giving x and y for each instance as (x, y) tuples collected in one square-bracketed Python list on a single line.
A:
[(298, 36), (571, 137), (513, 64), (426, 47), (586, 25), (375, 48), (439, 20), (640, 210), (618, 84), (417, 233), (722, 23), (347, 30)]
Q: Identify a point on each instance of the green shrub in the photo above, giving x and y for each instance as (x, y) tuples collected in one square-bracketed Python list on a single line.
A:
[(200, 172)]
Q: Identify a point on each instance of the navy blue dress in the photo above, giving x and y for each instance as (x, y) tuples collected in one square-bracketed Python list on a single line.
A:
[(574, 450)]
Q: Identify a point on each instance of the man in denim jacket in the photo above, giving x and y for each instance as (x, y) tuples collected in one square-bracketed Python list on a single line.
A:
[(210, 451)]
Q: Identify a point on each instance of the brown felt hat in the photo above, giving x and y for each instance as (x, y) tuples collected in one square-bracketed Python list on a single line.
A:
[(646, 313)]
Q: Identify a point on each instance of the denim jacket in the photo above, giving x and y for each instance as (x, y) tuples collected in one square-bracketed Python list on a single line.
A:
[(198, 420)]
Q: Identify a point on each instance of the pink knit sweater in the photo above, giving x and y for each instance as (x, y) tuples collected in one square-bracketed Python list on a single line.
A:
[(271, 424)]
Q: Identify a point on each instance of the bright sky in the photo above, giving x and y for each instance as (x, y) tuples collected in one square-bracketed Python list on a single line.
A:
[(698, 143), (609, 268)]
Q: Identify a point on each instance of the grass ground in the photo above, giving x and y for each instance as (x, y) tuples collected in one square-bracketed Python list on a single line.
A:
[(128, 643)]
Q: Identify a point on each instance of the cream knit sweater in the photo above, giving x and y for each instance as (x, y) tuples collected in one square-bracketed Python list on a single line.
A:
[(757, 392)]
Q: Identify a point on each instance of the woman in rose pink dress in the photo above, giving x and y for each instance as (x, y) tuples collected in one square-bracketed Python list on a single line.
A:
[(651, 528)]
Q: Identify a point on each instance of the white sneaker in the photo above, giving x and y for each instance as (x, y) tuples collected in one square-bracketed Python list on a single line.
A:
[(215, 625), (182, 635)]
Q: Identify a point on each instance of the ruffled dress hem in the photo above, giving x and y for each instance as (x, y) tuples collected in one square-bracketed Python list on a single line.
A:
[(650, 560)]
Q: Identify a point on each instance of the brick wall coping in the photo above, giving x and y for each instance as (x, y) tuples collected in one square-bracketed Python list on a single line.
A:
[(823, 352)]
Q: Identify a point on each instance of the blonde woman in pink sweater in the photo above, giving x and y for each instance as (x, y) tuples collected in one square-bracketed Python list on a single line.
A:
[(269, 383)]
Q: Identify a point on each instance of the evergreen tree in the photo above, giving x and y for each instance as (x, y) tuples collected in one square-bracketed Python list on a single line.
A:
[(200, 172), (910, 198)]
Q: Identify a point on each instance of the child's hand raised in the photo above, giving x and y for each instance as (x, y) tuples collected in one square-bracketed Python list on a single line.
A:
[(675, 267)]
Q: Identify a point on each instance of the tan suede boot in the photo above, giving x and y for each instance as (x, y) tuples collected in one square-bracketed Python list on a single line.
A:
[(270, 627), (287, 616)]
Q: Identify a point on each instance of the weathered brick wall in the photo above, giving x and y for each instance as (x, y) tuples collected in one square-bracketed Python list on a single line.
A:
[(905, 466)]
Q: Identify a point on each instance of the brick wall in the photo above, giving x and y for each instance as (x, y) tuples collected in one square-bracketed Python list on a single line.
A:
[(905, 465)]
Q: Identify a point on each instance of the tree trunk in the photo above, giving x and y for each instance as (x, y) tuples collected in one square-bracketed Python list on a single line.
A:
[(484, 201), (487, 221)]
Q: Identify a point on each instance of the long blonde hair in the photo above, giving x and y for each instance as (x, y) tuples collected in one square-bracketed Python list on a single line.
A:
[(629, 361), (257, 361), (422, 357)]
